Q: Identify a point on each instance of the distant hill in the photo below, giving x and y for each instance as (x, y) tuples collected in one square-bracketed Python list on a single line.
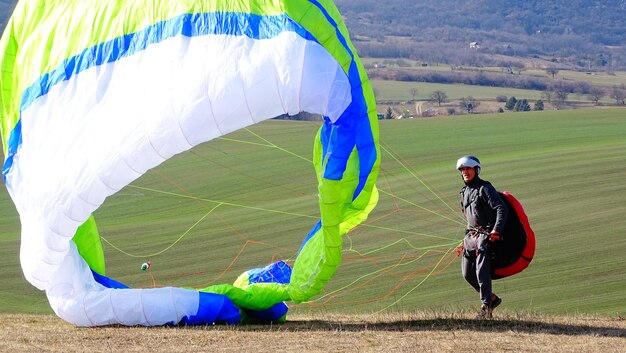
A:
[(585, 34), (6, 9), (600, 22), (581, 33)]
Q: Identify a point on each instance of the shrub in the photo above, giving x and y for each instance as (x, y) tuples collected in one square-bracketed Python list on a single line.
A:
[(522, 105), (539, 105), (510, 104)]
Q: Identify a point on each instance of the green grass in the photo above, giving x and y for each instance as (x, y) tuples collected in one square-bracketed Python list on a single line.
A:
[(401, 91), (597, 78), (600, 78), (387, 90), (565, 167)]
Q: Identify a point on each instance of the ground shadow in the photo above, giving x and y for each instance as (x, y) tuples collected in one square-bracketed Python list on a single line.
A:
[(496, 325)]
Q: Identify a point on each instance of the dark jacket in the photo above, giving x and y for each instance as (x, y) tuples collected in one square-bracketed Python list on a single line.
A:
[(483, 207)]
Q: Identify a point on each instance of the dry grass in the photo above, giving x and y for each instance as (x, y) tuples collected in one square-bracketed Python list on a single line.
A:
[(329, 333)]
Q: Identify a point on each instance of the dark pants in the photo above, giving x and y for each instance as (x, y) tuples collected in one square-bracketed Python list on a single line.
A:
[(476, 269)]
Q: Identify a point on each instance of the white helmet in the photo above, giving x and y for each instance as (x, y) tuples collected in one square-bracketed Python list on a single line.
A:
[(468, 161)]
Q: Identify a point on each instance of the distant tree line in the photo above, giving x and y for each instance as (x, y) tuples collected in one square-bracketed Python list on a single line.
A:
[(480, 78)]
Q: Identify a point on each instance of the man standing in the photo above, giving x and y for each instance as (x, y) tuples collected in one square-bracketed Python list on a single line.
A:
[(486, 214)]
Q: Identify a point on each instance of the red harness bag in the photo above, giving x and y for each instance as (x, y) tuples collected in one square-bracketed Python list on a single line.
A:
[(516, 249)]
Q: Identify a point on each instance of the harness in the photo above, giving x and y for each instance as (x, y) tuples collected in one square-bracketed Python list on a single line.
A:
[(474, 227)]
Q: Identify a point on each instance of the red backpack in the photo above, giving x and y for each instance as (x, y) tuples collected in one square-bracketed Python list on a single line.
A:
[(516, 248)]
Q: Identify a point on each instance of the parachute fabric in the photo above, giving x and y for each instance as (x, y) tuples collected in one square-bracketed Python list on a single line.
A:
[(94, 94)]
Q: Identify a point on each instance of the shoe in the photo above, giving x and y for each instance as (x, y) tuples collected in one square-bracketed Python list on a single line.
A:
[(485, 313), (495, 302)]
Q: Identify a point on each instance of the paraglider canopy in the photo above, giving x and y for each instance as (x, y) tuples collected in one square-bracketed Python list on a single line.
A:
[(127, 88)]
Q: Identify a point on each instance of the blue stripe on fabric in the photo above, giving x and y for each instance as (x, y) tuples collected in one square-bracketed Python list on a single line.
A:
[(15, 139), (275, 313), (277, 272), (339, 139), (350, 129), (108, 282), (190, 25), (313, 231), (213, 308)]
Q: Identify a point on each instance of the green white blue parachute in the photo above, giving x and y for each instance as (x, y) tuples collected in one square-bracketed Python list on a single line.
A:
[(96, 93)]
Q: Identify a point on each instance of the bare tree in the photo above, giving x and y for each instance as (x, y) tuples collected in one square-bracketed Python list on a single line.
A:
[(469, 104), (582, 87), (439, 97), (552, 71), (414, 93), (596, 94), (619, 94), (561, 91), (547, 96)]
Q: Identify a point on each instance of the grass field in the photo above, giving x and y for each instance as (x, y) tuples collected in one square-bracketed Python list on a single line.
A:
[(205, 216), (401, 91), (600, 78), (389, 91)]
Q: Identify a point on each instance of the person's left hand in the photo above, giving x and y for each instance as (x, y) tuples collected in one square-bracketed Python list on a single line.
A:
[(494, 236)]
